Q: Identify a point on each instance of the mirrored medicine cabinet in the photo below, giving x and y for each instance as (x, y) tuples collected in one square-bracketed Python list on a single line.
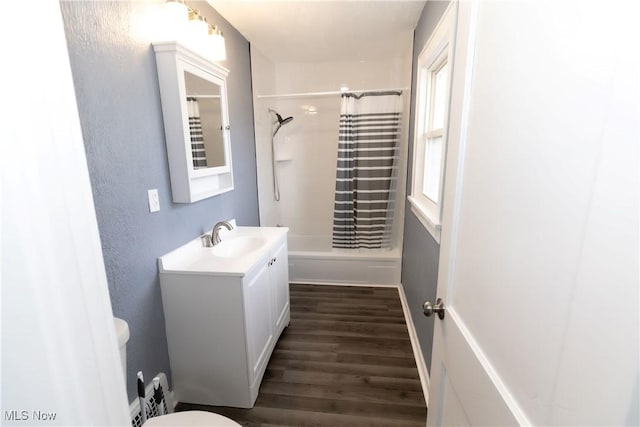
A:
[(193, 92)]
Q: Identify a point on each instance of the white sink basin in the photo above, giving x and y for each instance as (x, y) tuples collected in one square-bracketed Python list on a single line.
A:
[(237, 246), (235, 255)]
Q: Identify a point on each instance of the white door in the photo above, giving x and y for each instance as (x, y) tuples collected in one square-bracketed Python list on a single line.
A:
[(60, 361), (539, 255)]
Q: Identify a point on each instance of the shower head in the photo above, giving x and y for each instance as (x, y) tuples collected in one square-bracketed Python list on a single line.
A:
[(281, 121)]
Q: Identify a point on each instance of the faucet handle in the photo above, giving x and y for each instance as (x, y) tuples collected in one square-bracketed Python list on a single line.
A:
[(206, 240)]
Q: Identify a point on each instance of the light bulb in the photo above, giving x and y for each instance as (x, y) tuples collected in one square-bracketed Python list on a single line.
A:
[(198, 33), (176, 17), (216, 44), (198, 27)]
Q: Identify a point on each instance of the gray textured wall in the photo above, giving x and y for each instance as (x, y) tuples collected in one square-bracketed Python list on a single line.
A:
[(118, 98), (421, 253)]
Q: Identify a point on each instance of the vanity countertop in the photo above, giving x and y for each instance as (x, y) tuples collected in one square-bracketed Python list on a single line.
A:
[(194, 258)]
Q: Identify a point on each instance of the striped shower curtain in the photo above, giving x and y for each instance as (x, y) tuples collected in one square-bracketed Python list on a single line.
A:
[(370, 126), (195, 130)]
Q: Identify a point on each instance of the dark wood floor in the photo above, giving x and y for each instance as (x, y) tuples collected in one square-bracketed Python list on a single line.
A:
[(344, 360)]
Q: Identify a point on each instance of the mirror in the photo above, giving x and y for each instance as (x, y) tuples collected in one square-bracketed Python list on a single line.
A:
[(193, 92), (205, 122)]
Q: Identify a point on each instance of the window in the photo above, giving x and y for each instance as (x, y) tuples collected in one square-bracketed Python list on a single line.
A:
[(430, 136)]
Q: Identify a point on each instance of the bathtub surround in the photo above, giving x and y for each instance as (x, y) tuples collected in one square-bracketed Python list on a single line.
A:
[(306, 158), (118, 98), (421, 251), (306, 149)]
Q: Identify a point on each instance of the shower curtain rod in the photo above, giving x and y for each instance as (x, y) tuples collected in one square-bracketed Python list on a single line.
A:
[(329, 93)]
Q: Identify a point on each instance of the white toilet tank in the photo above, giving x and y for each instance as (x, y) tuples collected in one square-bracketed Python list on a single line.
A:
[(122, 333)]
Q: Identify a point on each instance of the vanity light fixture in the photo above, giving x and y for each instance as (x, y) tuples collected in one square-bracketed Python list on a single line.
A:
[(186, 25)]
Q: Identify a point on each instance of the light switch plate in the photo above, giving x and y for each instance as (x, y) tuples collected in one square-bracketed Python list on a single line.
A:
[(154, 200)]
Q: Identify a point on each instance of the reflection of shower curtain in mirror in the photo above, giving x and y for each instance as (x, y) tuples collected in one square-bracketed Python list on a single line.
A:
[(195, 130), (370, 126)]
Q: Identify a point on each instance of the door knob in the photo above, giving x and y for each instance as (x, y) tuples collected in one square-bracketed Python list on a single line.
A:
[(429, 308)]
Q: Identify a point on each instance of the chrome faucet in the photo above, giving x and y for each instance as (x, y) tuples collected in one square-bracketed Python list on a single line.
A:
[(215, 233)]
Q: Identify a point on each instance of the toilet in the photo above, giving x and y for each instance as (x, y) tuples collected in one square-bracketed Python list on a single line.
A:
[(190, 418), (186, 418), (122, 333)]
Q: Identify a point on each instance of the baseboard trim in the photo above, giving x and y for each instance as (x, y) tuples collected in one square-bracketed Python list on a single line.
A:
[(364, 285), (415, 344)]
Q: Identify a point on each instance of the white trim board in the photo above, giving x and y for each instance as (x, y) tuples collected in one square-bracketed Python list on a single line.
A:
[(415, 344), (362, 285)]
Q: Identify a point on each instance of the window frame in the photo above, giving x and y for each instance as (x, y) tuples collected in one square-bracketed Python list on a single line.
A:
[(437, 52)]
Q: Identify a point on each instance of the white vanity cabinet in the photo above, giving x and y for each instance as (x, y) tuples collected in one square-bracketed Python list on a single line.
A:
[(223, 326)]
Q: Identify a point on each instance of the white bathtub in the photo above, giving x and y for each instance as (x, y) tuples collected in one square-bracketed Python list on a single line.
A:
[(312, 260)]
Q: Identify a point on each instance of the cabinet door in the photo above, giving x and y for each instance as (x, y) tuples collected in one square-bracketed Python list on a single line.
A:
[(258, 320), (280, 286)]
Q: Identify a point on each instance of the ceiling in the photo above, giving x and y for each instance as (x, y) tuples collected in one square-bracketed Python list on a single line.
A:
[(324, 30)]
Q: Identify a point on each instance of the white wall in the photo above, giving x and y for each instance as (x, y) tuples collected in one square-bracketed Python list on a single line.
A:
[(309, 143), (327, 76)]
